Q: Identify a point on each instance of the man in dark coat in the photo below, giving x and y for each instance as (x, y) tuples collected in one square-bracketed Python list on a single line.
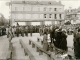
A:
[(31, 30), (52, 33), (26, 31), (77, 44), (17, 31), (22, 31), (60, 40)]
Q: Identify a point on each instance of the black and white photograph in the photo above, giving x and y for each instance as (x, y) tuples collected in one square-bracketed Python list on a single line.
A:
[(39, 29)]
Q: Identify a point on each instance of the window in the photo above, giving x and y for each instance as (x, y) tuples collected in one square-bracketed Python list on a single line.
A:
[(55, 16), (50, 15), (44, 15), (44, 9), (50, 9), (60, 16), (55, 9), (23, 8), (15, 8)]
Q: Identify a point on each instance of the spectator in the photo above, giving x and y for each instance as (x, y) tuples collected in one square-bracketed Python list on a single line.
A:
[(45, 43)]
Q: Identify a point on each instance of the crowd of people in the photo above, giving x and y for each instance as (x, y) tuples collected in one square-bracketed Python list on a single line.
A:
[(58, 36)]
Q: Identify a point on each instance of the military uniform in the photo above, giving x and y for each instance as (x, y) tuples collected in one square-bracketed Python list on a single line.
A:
[(26, 31), (17, 31), (22, 31), (31, 30)]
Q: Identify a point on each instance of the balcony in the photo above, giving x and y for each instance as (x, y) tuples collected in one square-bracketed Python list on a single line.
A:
[(36, 12), (37, 20)]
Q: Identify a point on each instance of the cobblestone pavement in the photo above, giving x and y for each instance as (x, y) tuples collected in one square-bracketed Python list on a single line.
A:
[(25, 39)]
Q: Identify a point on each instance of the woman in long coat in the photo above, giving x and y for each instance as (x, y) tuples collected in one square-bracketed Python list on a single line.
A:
[(45, 43)]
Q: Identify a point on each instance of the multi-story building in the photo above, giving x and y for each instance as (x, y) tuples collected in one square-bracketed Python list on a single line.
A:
[(37, 12), (73, 15)]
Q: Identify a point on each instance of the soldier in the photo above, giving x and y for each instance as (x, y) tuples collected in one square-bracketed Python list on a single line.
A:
[(22, 31), (13, 31), (7, 31), (40, 31), (52, 33), (17, 31), (26, 31), (31, 30)]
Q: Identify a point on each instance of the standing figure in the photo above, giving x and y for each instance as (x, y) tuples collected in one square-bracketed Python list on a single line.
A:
[(40, 31), (77, 44), (7, 31), (17, 31), (63, 44), (31, 30), (22, 31), (45, 43), (13, 31), (52, 33), (26, 31)]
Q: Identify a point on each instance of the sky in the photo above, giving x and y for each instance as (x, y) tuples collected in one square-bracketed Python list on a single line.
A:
[(4, 9)]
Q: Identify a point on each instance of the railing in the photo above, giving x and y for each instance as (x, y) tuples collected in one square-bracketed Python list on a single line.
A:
[(27, 52), (41, 50), (37, 12)]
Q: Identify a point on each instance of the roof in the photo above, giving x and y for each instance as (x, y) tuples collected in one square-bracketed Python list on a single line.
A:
[(38, 2)]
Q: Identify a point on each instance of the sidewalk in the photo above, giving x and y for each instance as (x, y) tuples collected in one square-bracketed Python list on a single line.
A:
[(4, 46)]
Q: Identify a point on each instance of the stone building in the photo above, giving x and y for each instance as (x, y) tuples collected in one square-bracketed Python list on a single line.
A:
[(73, 15), (36, 12)]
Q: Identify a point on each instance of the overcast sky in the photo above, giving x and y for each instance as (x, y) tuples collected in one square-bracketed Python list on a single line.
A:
[(4, 9)]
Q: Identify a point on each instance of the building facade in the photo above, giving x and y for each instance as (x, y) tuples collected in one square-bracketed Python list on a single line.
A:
[(73, 15), (36, 12)]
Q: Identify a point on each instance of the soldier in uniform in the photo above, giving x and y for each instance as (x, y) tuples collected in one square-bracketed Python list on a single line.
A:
[(52, 33), (26, 31), (22, 31), (31, 30), (7, 31), (17, 31), (40, 31)]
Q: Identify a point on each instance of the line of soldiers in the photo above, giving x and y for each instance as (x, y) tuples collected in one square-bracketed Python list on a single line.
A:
[(16, 31), (26, 29)]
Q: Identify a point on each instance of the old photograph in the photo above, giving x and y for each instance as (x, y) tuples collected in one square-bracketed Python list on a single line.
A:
[(39, 29)]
